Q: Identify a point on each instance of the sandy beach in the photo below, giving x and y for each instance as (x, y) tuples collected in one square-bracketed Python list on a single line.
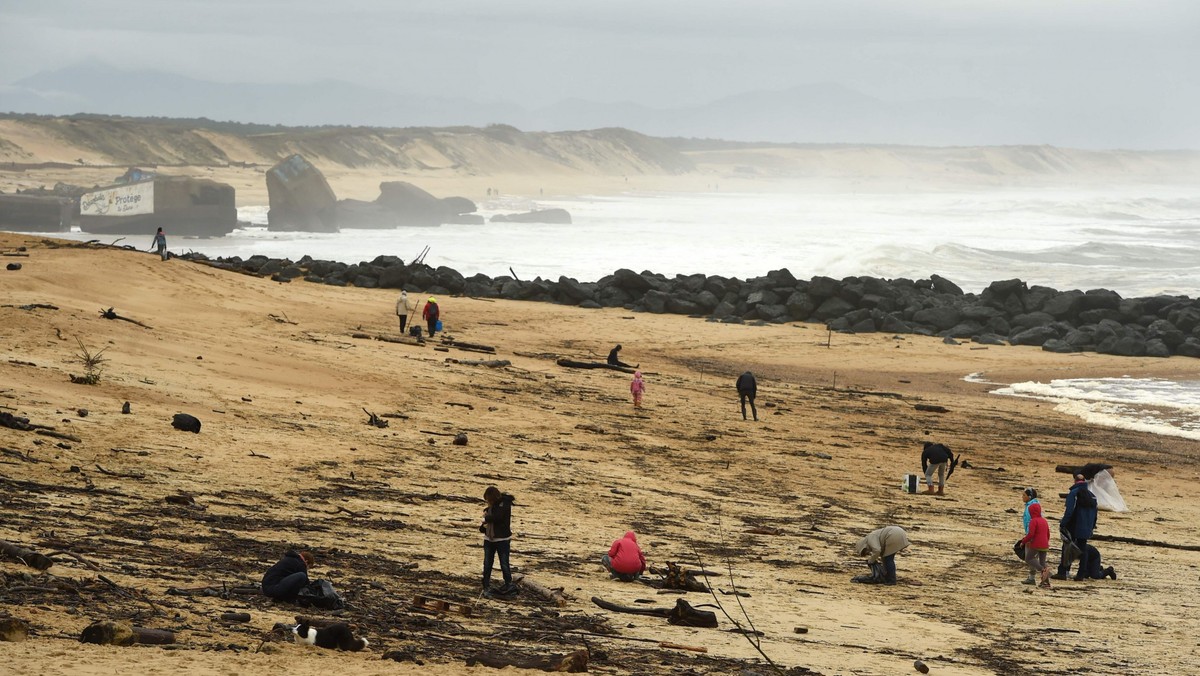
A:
[(285, 459)]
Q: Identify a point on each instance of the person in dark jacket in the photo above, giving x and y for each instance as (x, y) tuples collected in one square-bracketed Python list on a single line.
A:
[(1096, 569), (497, 538), (747, 389), (1076, 526), (431, 314), (614, 358), (935, 457), (286, 578)]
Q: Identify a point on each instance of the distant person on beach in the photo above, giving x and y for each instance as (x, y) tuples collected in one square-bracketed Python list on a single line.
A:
[(1076, 526), (284, 580), (625, 559), (497, 539), (747, 389), (1037, 546), (160, 244), (935, 458), (880, 547), (1029, 496), (614, 358), (404, 308), (637, 387), (430, 314)]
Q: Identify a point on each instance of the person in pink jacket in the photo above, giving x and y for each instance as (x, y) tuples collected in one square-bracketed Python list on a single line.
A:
[(637, 387), (1037, 544), (625, 559)]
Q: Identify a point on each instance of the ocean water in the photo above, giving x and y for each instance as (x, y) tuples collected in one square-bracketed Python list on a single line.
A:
[(1134, 240), (1155, 405)]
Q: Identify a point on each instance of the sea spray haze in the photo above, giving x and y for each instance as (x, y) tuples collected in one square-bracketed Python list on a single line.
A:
[(1138, 240)]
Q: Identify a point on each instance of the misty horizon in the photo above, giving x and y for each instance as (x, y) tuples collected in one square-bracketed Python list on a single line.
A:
[(1084, 74)]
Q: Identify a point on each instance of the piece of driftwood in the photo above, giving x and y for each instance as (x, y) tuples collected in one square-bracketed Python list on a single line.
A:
[(469, 407), (122, 475), (680, 646), (14, 453), (428, 604), (574, 364), (106, 632), (470, 347), (111, 314), (1144, 543), (374, 420), (571, 663), (26, 556), (930, 408), (60, 435), (403, 340), (683, 614), (73, 555), (1089, 471), (490, 363), (235, 617), (555, 596)]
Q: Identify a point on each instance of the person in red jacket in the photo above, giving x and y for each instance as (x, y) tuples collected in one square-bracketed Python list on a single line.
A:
[(1037, 544), (625, 559)]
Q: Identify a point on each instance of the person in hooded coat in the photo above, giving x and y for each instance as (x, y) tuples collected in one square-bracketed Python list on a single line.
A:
[(1076, 526), (431, 314), (1037, 546), (881, 546), (497, 538), (637, 387), (625, 559), (404, 308), (284, 580)]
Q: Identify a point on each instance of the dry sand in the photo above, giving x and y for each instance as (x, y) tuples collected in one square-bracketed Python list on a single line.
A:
[(563, 442)]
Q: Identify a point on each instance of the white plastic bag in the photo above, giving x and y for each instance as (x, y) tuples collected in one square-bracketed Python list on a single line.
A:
[(1108, 498)]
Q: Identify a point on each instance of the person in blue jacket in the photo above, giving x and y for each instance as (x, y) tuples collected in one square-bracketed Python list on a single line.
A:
[(1029, 497), (1076, 526)]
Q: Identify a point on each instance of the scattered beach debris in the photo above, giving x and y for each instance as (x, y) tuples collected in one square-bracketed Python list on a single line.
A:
[(683, 614), (110, 313), (575, 364), (26, 556), (374, 420), (930, 408), (13, 630), (106, 632), (575, 662)]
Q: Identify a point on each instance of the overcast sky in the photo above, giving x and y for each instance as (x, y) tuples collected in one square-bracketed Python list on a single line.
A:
[(660, 53)]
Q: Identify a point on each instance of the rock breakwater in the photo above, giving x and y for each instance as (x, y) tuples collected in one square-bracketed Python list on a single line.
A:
[(1006, 312)]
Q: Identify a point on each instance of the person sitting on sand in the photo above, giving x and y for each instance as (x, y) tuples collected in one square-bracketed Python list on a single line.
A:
[(284, 580), (747, 389), (935, 457), (614, 359), (880, 547), (625, 559)]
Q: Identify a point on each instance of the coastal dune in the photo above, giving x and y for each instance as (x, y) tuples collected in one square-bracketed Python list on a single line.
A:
[(285, 459)]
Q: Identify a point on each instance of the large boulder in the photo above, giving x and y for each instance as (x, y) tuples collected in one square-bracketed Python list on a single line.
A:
[(410, 205), (300, 198), (1037, 335), (631, 281), (553, 216), (940, 318)]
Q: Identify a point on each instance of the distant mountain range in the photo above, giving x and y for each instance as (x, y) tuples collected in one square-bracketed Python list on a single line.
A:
[(817, 113)]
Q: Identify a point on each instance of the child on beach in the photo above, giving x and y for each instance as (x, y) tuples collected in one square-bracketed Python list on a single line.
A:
[(1037, 544), (497, 539), (637, 387)]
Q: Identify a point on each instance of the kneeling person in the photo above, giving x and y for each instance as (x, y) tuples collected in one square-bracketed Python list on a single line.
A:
[(625, 559)]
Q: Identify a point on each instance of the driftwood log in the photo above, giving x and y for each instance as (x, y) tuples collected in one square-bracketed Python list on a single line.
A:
[(1089, 471), (123, 634), (490, 363), (111, 314), (572, 663), (1144, 543), (26, 556), (573, 364), (683, 614), (235, 617), (554, 596), (469, 347)]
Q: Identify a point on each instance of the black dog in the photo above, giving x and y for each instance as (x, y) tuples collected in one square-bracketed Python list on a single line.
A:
[(336, 636)]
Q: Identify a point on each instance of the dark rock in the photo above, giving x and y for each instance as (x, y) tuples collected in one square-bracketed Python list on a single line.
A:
[(764, 297), (1189, 348), (941, 318), (1063, 305), (300, 198), (449, 278), (832, 307), (943, 285), (410, 205), (590, 305), (893, 324), (724, 310), (989, 339), (800, 305), (272, 266), (572, 291), (655, 301), (822, 288), (186, 423), (1157, 348), (1165, 331), (963, 330), (631, 281), (1125, 346), (773, 313), (1007, 287), (13, 266), (290, 272), (1030, 320), (1100, 299), (782, 277), (1037, 335), (382, 261), (1060, 346), (681, 306), (365, 282)]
